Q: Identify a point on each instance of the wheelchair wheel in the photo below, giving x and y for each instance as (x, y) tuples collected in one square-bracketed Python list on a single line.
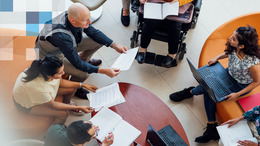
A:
[(193, 25), (183, 51), (133, 44), (133, 40)]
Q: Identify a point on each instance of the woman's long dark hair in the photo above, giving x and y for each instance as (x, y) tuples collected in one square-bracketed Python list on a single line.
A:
[(248, 37), (47, 67)]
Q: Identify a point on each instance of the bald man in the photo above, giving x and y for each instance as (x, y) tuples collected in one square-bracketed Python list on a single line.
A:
[(71, 37)]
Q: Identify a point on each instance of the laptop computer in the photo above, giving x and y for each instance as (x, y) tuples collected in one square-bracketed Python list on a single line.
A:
[(164, 137), (215, 80)]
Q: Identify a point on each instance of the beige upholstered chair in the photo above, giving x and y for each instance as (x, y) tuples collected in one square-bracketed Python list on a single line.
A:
[(95, 7)]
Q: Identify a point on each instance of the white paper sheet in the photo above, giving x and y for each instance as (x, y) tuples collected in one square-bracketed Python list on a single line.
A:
[(124, 134), (170, 9), (107, 96), (160, 11), (153, 10), (124, 61), (230, 136)]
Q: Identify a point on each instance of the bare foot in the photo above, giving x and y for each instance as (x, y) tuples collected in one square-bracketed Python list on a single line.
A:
[(126, 12), (172, 55), (142, 49)]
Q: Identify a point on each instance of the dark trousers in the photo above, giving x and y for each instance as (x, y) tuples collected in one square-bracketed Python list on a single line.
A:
[(173, 29)]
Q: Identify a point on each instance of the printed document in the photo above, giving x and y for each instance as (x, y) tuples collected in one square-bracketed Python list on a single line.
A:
[(107, 96), (109, 121), (124, 61), (240, 131), (160, 11)]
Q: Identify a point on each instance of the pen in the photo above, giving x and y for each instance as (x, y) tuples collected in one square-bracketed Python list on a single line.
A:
[(109, 136)]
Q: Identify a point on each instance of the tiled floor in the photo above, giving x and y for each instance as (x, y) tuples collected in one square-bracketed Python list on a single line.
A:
[(162, 81)]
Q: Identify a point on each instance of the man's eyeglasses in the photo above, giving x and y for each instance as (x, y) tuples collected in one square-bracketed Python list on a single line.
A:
[(96, 133), (96, 130)]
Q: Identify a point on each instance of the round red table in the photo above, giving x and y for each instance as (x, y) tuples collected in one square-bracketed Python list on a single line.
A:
[(143, 108)]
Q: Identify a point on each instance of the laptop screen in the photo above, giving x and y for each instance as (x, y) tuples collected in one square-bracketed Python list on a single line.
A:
[(201, 81), (153, 137)]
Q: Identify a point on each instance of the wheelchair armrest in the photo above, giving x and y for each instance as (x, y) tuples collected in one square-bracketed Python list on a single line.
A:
[(197, 5)]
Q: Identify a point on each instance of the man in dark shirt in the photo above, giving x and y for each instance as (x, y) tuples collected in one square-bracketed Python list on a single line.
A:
[(78, 133), (72, 38)]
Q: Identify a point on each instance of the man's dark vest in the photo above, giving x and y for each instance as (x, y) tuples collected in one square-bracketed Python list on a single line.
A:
[(58, 25)]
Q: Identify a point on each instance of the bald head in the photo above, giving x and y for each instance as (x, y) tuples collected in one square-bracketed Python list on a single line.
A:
[(79, 15), (76, 10)]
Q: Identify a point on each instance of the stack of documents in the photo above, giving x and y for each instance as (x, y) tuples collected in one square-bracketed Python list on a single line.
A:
[(106, 97), (109, 121), (124, 61)]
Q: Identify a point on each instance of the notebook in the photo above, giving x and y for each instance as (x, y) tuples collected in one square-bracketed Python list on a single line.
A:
[(164, 137), (109, 121), (215, 80), (160, 10), (249, 102)]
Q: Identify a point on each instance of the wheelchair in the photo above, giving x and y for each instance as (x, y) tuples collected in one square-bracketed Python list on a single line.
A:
[(188, 21)]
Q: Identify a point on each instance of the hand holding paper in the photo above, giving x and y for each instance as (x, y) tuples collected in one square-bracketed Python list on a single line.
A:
[(107, 96), (232, 121), (111, 72), (249, 142), (89, 87), (86, 109), (108, 140)]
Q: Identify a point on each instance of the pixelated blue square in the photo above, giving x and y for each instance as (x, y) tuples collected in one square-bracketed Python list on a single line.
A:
[(45, 16), (32, 29), (6, 5), (32, 17)]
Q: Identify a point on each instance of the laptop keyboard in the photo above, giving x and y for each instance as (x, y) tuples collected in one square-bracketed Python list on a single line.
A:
[(214, 83), (166, 139)]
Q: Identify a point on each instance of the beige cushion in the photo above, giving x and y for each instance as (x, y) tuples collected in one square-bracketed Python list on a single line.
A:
[(91, 4)]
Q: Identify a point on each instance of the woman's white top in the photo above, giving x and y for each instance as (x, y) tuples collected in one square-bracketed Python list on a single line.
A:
[(35, 92)]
